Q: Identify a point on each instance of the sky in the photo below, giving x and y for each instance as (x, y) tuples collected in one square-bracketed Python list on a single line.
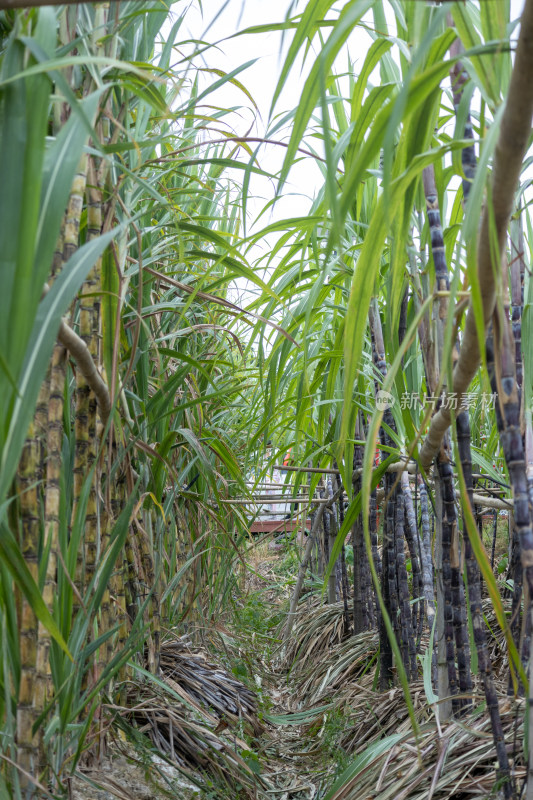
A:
[(260, 79), (218, 21), (268, 50)]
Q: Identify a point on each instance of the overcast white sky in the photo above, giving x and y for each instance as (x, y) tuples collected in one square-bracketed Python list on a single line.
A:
[(219, 20), (260, 79)]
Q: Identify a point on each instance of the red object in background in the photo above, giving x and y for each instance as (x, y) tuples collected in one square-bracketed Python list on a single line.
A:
[(277, 525), (287, 459)]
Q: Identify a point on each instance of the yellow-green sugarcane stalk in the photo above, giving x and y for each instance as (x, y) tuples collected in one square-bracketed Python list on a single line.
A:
[(28, 485), (109, 605), (71, 226), (86, 405), (51, 422), (145, 551), (54, 443), (28, 476), (118, 578), (70, 245)]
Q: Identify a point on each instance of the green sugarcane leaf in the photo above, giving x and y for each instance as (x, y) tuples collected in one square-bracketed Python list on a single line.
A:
[(13, 558), (369, 754), (375, 54), (488, 575), (39, 350), (348, 19)]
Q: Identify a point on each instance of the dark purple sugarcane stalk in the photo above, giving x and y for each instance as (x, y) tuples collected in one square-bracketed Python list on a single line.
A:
[(460, 625), (407, 642), (358, 541), (459, 79), (334, 581), (454, 613), (427, 570), (344, 571), (494, 533), (357, 537), (374, 611), (402, 321), (427, 558), (389, 586), (373, 525), (389, 589), (507, 409), (368, 595), (478, 624), (528, 447), (413, 543), (449, 531), (518, 267), (345, 592)]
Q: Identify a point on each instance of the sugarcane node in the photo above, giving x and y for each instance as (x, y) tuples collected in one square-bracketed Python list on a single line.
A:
[(454, 551)]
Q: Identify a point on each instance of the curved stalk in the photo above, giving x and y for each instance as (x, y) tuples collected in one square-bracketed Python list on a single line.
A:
[(478, 624), (512, 144)]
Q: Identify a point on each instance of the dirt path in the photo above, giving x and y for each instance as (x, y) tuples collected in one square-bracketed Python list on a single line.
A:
[(290, 760), (319, 711)]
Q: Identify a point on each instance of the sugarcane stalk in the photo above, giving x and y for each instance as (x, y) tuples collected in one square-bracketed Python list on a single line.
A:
[(452, 579), (446, 651), (413, 543), (508, 423), (333, 529), (71, 226), (81, 423), (90, 333), (52, 427), (373, 605), (459, 79), (345, 592), (442, 633), (118, 587), (476, 613), (344, 571), (449, 540), (367, 592), (427, 571), (373, 525), (389, 575), (54, 444), (408, 648), (515, 131), (357, 536), (528, 446), (364, 595), (402, 319), (28, 476), (357, 540), (517, 268), (389, 589), (325, 538), (502, 371), (303, 565), (148, 570), (458, 608), (494, 534)]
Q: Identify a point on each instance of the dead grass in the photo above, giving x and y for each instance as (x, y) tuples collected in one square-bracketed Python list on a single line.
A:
[(315, 714)]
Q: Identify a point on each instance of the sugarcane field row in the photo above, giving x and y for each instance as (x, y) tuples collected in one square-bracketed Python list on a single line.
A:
[(266, 400)]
